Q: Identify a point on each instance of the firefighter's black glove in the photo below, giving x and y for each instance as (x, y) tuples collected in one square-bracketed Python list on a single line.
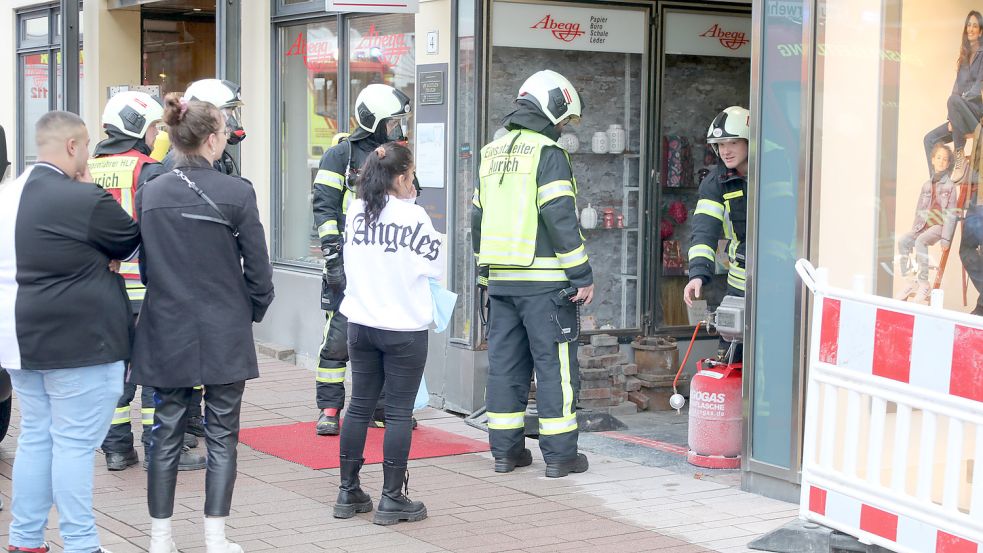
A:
[(334, 274)]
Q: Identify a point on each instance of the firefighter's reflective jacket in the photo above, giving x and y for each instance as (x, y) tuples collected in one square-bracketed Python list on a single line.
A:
[(524, 217), (122, 175), (722, 206)]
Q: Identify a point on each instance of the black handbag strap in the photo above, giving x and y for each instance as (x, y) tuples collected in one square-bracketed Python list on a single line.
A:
[(221, 219)]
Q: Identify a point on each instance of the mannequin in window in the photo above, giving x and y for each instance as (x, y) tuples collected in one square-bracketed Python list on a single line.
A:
[(965, 105), (935, 221)]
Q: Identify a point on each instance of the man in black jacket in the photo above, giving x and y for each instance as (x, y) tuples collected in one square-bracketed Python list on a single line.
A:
[(64, 329), (379, 111)]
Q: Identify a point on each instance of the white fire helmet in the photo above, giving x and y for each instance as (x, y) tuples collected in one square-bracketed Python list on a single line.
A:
[(733, 122), (379, 101), (132, 113), (553, 94), (221, 94)]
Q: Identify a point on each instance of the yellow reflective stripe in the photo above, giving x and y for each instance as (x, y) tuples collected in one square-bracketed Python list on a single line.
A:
[(563, 350), (506, 421), (483, 281), (330, 375), (475, 198), (732, 195), (554, 190), (147, 415), (736, 282), (136, 293), (346, 200), (330, 178), (529, 275), (199, 387), (573, 258), (711, 208), (327, 228), (121, 415), (129, 267), (702, 250), (324, 334), (537, 263), (561, 425), (737, 272), (506, 239)]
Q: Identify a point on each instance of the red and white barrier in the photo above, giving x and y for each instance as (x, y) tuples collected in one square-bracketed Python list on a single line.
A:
[(893, 450)]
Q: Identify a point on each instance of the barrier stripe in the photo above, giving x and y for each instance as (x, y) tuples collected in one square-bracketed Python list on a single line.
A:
[(908, 533), (829, 338), (967, 364), (892, 345)]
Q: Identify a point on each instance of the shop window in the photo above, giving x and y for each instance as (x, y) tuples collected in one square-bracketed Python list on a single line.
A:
[(308, 122), (701, 75), (39, 76), (601, 52), (311, 108), (897, 156), (382, 51)]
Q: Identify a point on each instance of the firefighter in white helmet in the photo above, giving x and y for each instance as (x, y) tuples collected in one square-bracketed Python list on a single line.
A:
[(722, 207), (531, 256), (121, 165), (226, 96), (381, 112)]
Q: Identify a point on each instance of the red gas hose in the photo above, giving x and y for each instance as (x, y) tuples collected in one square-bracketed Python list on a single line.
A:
[(686, 357)]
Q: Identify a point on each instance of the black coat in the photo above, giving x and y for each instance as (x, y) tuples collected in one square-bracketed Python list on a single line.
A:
[(205, 287)]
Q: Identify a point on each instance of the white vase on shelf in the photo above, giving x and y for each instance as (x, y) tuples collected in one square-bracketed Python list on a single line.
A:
[(569, 142), (599, 142), (616, 139), (588, 217)]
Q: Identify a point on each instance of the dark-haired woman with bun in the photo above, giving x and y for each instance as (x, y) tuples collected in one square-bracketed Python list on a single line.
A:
[(208, 277), (391, 251)]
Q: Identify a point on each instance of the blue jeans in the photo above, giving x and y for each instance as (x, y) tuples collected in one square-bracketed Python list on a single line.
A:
[(65, 415)]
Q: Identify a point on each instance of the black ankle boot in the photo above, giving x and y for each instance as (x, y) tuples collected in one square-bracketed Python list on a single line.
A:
[(351, 498), (394, 506), (508, 464)]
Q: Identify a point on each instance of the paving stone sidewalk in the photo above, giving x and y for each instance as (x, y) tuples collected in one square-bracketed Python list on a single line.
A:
[(617, 506)]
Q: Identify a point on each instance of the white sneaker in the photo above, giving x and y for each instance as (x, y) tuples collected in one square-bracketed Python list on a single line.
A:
[(215, 541)]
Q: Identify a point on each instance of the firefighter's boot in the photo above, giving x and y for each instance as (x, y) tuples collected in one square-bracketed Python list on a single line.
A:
[(215, 541), (161, 540), (351, 498), (119, 461), (328, 425), (563, 468), (508, 464), (395, 507)]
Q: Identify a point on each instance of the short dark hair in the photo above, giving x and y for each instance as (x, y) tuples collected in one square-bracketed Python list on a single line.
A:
[(57, 125)]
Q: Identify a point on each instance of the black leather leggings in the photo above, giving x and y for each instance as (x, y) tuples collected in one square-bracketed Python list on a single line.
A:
[(222, 406)]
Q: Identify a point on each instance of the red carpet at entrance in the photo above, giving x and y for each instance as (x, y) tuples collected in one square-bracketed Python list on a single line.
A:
[(297, 443)]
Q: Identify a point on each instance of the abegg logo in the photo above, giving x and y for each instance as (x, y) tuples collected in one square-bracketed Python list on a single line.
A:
[(728, 39), (566, 32)]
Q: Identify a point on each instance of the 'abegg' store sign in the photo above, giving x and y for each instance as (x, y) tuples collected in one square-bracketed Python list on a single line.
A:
[(568, 28), (708, 35)]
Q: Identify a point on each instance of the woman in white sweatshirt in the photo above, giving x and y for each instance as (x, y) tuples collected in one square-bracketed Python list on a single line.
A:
[(391, 251)]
